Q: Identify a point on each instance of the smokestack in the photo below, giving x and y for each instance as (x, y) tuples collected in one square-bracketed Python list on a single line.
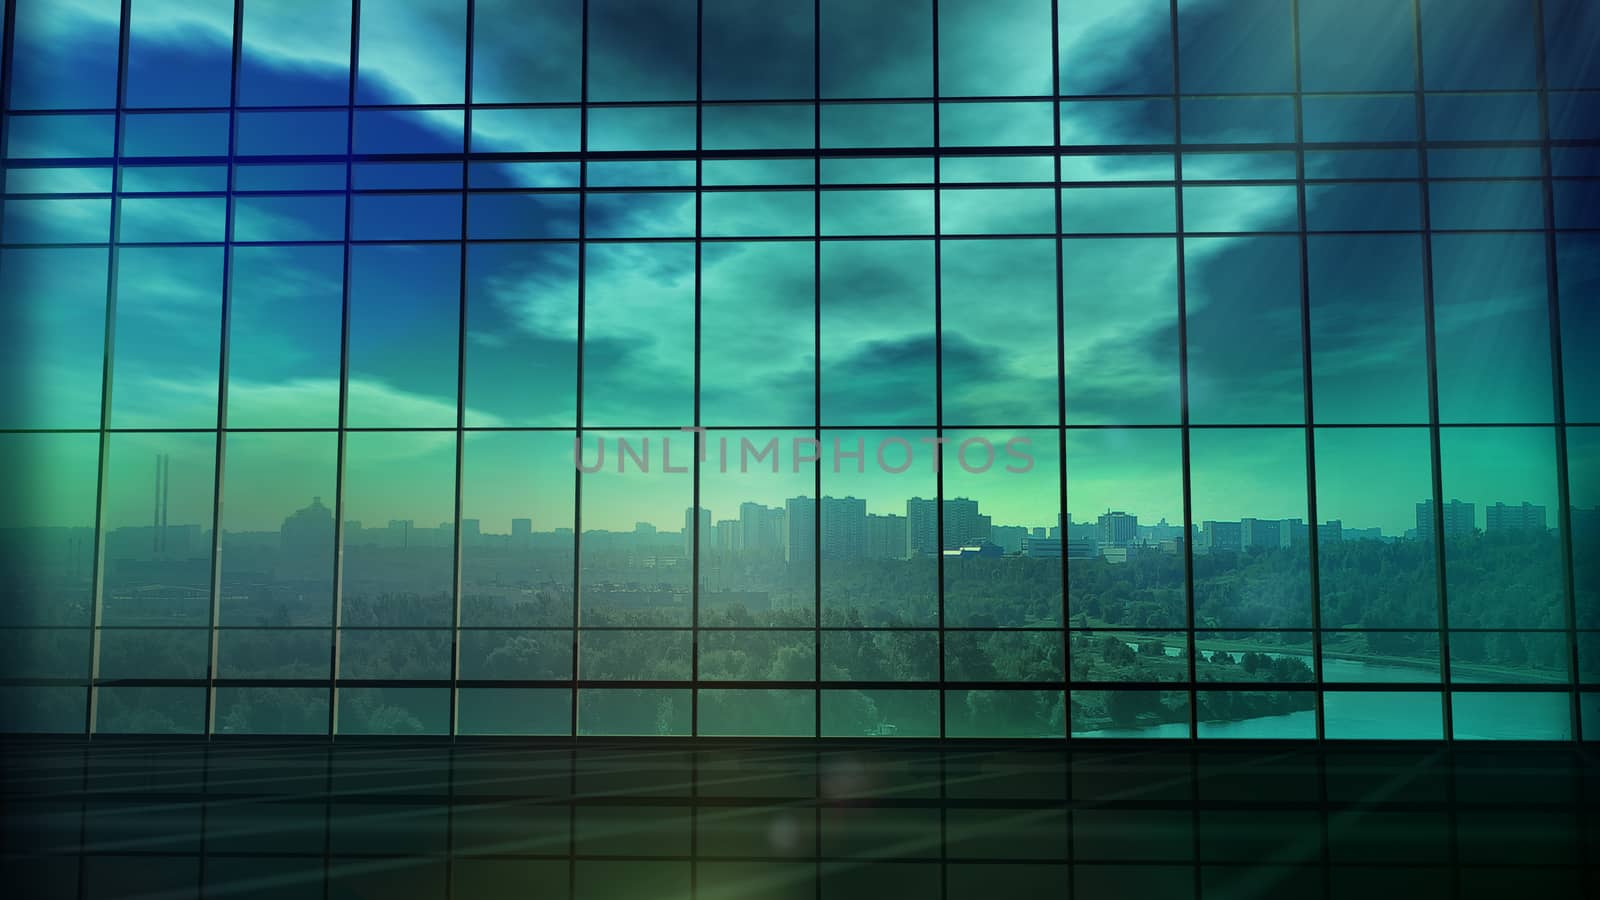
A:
[(166, 491), (155, 511)]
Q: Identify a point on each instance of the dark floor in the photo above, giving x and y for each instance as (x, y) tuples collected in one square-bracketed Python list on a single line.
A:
[(366, 820)]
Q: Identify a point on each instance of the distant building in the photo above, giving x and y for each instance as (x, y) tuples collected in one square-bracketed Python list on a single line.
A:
[(521, 532), (844, 528), (729, 539), (1363, 534), (1523, 517), (760, 528), (1459, 519), (886, 536), (1117, 529), (800, 529), (1042, 548), (963, 525), (1083, 548), (1009, 537), (1219, 537), (308, 530), (689, 519), (922, 527)]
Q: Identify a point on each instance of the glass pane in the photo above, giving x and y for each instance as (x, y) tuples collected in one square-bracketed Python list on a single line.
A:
[(1124, 529), (998, 364), (1356, 45), (880, 714), (878, 333), (758, 52), (513, 711), (852, 41), (1502, 556), (65, 57), (180, 53), (1372, 574), (277, 529), (755, 565), (757, 340), (1130, 714), (1133, 657), (403, 341), (988, 656), (1368, 342), (1499, 716), (284, 336), (1099, 41), (757, 655), (522, 334), (412, 51), (394, 710), (284, 63), (48, 493), (994, 48), (525, 654), (398, 545), (157, 529), (1489, 291), (757, 713), (1383, 716), (55, 349), (517, 496), (638, 360), (1244, 292), (1238, 46), (1120, 315), (1011, 478), (868, 473), (1490, 45), (1583, 488), (1251, 567), (857, 654), (642, 49), (636, 711), (168, 337), (1578, 274), (1269, 715), (502, 69), (1004, 714), (276, 710), (637, 498)]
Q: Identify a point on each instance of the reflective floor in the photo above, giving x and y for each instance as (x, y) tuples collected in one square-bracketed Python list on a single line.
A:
[(383, 820)]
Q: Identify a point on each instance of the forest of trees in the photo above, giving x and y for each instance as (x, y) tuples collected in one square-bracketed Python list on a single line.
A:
[(879, 621)]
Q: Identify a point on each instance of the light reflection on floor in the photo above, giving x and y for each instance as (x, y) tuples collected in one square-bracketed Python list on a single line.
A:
[(394, 821)]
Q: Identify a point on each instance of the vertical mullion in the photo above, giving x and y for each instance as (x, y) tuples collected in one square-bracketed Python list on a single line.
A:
[(694, 497), (816, 423), (1183, 377), (1441, 592), (577, 444), (694, 563), (1553, 296), (1312, 536), (816, 382), (1061, 372), (453, 724), (344, 385), (461, 385), (938, 450), (215, 609), (577, 434), (97, 570)]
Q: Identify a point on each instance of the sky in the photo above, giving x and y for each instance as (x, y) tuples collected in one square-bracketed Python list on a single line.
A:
[(893, 314)]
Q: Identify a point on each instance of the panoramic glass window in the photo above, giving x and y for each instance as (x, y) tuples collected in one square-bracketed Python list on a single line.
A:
[(1036, 369)]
